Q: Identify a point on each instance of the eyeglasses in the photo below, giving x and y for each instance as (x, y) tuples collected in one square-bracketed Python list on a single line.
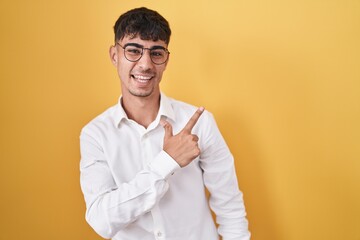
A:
[(133, 52)]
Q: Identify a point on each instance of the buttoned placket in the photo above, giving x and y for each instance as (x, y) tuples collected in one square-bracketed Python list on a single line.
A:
[(147, 156), (147, 151)]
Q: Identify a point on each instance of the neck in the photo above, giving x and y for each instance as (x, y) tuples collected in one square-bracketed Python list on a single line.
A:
[(142, 110)]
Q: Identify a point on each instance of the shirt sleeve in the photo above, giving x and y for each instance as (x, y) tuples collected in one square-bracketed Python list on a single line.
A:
[(226, 200), (111, 207)]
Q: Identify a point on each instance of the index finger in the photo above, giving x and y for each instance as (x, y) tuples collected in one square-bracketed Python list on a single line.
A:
[(193, 120)]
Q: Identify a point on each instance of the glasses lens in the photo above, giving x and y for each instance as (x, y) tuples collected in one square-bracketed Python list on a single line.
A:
[(133, 53), (159, 56)]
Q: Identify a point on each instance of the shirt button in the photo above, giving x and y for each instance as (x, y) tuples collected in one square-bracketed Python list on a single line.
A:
[(159, 234)]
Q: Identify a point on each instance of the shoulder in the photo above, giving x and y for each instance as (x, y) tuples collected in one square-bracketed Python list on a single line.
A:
[(101, 123), (182, 107), (184, 111)]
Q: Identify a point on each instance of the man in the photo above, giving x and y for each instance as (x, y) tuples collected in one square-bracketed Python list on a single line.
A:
[(146, 161)]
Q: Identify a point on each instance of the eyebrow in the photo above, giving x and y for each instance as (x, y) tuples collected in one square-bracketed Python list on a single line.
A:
[(141, 46)]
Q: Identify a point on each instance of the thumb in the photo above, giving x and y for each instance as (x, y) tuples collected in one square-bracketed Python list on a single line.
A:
[(168, 129)]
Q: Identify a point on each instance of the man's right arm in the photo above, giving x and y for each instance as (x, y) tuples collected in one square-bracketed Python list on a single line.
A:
[(111, 207)]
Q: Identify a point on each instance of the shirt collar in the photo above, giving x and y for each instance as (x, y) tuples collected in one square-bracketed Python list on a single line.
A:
[(165, 110)]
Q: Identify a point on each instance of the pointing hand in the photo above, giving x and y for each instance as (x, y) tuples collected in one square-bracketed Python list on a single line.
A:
[(182, 147)]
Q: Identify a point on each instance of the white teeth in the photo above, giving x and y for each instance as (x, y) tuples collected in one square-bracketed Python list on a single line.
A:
[(140, 77), (142, 81)]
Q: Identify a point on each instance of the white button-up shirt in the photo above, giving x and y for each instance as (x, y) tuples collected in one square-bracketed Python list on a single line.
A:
[(135, 190)]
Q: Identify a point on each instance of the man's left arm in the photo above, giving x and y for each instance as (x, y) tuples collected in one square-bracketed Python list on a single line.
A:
[(226, 200)]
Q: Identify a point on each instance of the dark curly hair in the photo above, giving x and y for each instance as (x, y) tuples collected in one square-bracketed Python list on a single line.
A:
[(143, 22)]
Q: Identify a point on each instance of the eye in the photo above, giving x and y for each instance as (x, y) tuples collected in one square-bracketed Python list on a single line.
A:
[(158, 53), (133, 50)]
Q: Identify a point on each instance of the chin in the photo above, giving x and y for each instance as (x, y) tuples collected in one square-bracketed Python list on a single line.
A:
[(141, 93)]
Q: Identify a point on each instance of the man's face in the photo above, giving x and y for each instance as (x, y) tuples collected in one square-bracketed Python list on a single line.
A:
[(140, 78)]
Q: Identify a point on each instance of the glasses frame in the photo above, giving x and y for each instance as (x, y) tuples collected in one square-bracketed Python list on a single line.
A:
[(142, 52)]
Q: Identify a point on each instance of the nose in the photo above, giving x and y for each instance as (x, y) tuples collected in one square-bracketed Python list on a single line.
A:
[(145, 61)]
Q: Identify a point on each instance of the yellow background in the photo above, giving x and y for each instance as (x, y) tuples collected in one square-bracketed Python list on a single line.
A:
[(281, 77)]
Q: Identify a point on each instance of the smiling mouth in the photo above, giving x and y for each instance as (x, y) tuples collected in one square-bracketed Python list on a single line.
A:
[(141, 78)]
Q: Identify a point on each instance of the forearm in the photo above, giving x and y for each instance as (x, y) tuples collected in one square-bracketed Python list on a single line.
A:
[(226, 200), (113, 204), (113, 210)]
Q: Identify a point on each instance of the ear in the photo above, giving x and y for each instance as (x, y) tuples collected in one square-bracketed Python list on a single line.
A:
[(113, 55)]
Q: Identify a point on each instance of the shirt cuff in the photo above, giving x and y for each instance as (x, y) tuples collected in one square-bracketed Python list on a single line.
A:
[(164, 165)]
